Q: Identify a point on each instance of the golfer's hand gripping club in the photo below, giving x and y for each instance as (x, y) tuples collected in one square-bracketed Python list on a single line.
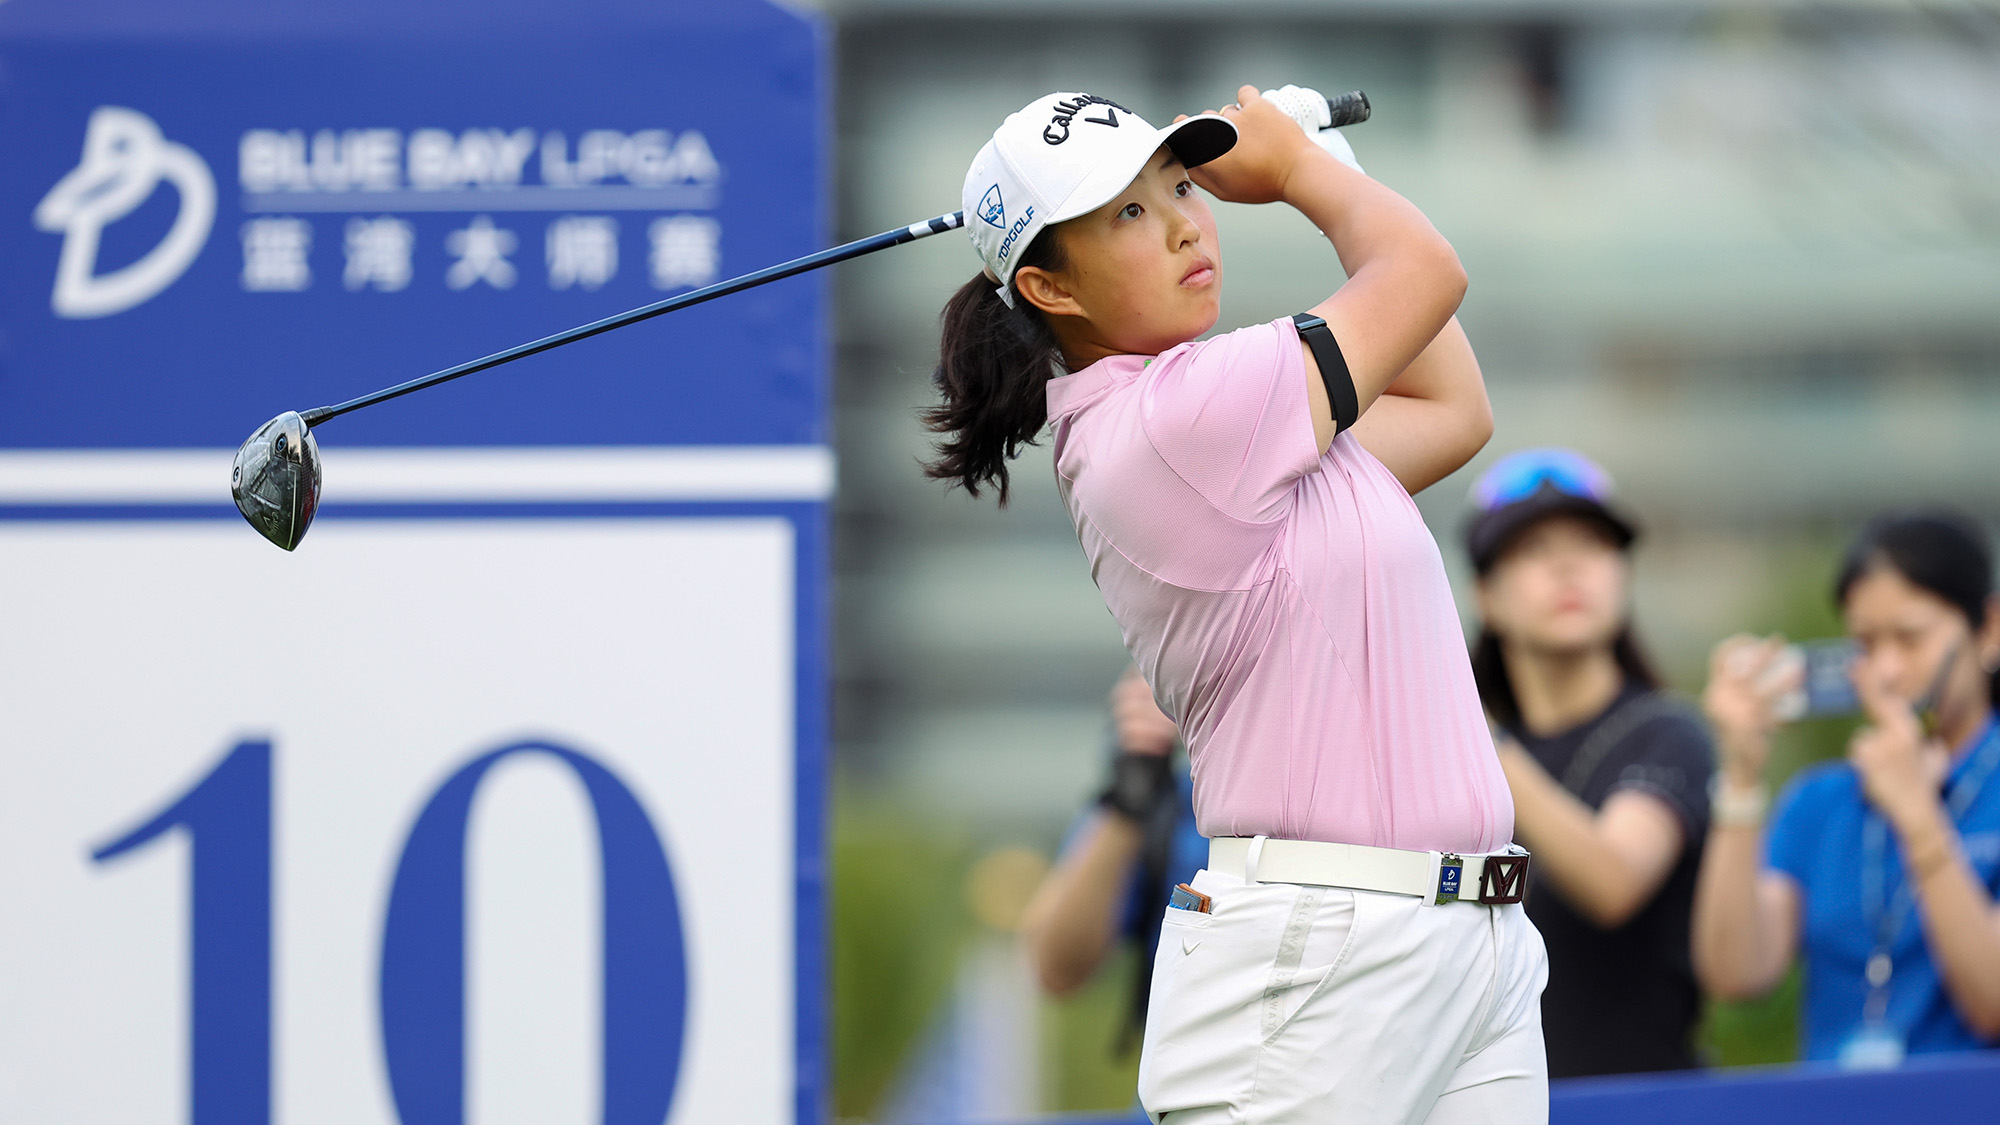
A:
[(275, 478), (1322, 117), (1315, 111)]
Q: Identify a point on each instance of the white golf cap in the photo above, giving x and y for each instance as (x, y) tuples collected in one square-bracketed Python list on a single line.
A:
[(1065, 155)]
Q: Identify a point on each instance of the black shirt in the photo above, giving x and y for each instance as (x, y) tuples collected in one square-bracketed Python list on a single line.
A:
[(1625, 999)]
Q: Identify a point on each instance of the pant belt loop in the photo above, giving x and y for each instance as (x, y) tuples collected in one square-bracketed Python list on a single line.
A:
[(1250, 859), (1430, 897)]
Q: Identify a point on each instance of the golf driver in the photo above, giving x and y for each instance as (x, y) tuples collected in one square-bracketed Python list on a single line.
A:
[(276, 475)]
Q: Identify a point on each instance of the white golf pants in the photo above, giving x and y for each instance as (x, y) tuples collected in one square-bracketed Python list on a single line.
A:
[(1302, 1004)]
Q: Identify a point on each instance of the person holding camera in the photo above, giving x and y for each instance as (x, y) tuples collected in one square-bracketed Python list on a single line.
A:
[(1609, 772), (1879, 871), (1123, 859)]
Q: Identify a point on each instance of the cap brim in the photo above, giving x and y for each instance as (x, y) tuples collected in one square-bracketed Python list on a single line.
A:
[(1195, 141), (1200, 138), (1489, 534)]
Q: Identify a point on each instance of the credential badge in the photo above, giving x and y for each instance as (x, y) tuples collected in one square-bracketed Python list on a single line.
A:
[(1451, 871)]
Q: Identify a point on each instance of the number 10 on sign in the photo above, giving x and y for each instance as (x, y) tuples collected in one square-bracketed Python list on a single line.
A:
[(228, 822)]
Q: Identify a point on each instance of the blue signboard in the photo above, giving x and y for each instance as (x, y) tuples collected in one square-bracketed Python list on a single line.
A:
[(502, 798), (217, 218)]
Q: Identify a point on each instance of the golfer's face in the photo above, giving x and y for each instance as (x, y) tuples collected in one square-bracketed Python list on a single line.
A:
[(1560, 586), (1146, 267)]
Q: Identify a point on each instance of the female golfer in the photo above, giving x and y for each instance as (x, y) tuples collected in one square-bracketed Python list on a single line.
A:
[(1609, 772), (1881, 871), (1343, 957)]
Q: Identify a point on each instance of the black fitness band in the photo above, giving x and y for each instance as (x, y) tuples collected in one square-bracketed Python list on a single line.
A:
[(1332, 370)]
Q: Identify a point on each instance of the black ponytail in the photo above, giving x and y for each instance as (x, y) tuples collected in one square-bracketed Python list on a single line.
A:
[(1938, 551), (994, 365)]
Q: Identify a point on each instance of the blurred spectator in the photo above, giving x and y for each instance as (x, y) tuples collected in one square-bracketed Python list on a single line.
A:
[(1115, 872), (1609, 772), (1880, 870)]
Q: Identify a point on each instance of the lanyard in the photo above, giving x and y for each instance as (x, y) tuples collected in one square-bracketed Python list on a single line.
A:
[(1890, 916)]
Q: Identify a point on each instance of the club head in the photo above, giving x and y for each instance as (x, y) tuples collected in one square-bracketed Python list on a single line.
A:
[(276, 479)]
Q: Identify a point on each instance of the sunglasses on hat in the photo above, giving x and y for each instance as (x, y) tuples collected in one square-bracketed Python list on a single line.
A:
[(1518, 476)]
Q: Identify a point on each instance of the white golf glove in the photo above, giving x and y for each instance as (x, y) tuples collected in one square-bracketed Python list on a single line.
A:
[(1308, 108)]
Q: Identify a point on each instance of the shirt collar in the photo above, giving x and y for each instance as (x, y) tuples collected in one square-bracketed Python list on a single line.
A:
[(1071, 393)]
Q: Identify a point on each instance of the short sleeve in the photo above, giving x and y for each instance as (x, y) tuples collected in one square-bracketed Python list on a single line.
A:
[(1672, 760), (1789, 844), (1231, 418)]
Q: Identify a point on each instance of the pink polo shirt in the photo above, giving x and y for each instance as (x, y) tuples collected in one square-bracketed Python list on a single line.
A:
[(1290, 610)]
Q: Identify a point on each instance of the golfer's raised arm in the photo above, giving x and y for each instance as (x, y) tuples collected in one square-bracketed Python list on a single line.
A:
[(1433, 417), (1404, 279)]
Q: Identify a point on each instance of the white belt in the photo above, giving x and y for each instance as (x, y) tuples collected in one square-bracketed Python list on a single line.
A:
[(1433, 877)]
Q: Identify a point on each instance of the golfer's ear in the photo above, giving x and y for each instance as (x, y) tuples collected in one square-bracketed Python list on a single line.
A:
[(1044, 291)]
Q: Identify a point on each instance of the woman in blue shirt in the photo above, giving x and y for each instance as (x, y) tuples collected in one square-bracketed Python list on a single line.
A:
[(1881, 871)]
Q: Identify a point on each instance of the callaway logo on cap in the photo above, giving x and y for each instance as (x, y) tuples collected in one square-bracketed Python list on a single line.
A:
[(1062, 156)]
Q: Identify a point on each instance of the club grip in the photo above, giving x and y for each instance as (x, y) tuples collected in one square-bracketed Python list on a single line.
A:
[(1350, 108), (1315, 112)]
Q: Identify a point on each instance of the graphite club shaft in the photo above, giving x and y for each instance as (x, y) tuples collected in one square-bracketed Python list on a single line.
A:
[(827, 257)]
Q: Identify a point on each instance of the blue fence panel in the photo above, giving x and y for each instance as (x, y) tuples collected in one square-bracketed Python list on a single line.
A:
[(1938, 1090)]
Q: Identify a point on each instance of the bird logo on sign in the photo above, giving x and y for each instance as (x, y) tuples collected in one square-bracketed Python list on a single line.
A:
[(124, 160), (991, 209)]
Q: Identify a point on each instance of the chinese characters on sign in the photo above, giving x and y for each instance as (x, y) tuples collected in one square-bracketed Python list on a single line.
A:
[(685, 250), (274, 255), (380, 177), (481, 251), (583, 250), (378, 253)]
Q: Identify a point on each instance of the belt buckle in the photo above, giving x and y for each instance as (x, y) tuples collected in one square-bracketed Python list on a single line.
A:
[(1450, 880), (1504, 880)]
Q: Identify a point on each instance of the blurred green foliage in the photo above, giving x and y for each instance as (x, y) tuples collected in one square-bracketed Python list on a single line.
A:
[(1086, 1065), (1755, 1032), (898, 928)]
